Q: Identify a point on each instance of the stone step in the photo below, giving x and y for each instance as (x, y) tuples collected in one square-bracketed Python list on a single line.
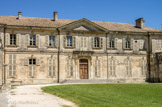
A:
[(90, 81)]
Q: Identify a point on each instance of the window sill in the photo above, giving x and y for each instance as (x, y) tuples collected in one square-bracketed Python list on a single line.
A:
[(69, 47), (111, 49), (15, 46), (128, 49), (32, 46), (51, 47), (97, 48)]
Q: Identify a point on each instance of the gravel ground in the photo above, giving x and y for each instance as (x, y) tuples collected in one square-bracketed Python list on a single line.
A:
[(32, 96)]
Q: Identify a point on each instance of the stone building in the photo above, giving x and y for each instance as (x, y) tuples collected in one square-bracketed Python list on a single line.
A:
[(39, 50)]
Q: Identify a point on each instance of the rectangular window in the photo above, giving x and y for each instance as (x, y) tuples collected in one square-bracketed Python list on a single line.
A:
[(32, 61), (141, 44), (111, 43), (69, 41), (112, 67), (32, 67), (51, 67), (96, 42), (52, 41), (143, 67), (128, 67), (97, 67), (32, 40), (12, 39), (70, 67), (12, 65), (127, 44)]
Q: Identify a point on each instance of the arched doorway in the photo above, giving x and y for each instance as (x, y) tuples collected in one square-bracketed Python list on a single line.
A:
[(83, 68)]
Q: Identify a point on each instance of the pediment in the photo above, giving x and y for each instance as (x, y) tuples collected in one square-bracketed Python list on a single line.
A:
[(81, 28), (83, 25)]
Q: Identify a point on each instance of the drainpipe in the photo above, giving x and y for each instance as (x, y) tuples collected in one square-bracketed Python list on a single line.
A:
[(58, 58), (4, 67), (148, 57), (107, 56)]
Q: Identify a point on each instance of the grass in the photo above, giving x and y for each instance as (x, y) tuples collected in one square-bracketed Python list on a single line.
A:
[(110, 95)]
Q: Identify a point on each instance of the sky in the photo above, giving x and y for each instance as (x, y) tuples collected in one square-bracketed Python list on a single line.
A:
[(121, 11)]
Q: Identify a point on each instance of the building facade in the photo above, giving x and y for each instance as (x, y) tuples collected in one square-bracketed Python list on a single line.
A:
[(37, 51)]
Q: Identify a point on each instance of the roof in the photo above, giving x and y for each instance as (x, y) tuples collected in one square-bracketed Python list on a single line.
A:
[(45, 22)]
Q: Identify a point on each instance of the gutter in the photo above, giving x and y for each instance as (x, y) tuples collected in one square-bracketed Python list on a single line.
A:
[(58, 58), (107, 57), (148, 57)]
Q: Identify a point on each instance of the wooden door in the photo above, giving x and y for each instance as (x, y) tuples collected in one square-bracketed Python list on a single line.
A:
[(83, 69)]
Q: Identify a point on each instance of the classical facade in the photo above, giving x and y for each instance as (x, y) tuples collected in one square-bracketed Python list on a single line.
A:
[(37, 50)]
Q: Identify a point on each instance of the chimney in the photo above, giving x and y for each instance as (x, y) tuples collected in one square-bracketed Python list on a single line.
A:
[(55, 16), (19, 15), (140, 23)]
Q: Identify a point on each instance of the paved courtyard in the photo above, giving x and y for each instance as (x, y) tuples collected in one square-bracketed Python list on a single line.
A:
[(32, 96)]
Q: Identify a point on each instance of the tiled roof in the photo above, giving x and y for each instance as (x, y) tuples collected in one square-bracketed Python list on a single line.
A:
[(44, 22)]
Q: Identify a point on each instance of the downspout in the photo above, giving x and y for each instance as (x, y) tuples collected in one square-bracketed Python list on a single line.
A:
[(4, 67), (58, 58), (107, 57), (148, 58)]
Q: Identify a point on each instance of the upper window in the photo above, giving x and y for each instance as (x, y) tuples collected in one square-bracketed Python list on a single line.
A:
[(127, 44), (96, 42), (52, 41), (12, 39), (69, 41), (32, 40), (111, 43), (32, 61)]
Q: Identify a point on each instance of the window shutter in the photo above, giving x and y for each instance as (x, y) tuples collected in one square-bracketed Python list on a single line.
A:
[(26, 62), (37, 40), (108, 44), (10, 59), (38, 62), (65, 43), (14, 70), (14, 58), (92, 42), (27, 39), (116, 43), (124, 41), (131, 43), (34, 71), (85, 41), (18, 39), (101, 42), (30, 71), (73, 41), (56, 41), (153, 45), (81, 42), (47, 40), (7, 39), (10, 70)]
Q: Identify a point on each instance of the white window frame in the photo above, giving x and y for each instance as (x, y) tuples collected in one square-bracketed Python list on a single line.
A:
[(13, 39)]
